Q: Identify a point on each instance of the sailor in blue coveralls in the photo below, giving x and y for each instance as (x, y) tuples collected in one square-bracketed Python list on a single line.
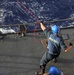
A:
[(54, 71), (55, 44)]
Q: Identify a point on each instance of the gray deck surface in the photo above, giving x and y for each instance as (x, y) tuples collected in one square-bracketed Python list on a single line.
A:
[(21, 56)]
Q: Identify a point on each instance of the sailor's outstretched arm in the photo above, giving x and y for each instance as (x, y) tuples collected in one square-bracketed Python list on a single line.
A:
[(42, 26), (69, 47)]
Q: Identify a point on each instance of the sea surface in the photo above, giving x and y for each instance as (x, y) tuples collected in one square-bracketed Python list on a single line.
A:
[(28, 12)]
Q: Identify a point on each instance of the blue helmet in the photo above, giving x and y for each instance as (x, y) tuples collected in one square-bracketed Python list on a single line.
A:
[(54, 71), (55, 29)]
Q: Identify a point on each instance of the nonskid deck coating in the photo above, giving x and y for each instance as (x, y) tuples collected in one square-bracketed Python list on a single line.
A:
[(21, 56)]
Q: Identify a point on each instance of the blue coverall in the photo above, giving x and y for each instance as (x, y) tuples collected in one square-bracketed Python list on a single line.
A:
[(55, 44)]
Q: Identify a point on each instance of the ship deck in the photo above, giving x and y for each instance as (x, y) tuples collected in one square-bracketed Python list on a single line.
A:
[(21, 56)]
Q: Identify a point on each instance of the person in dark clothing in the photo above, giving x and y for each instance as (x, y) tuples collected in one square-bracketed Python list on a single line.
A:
[(55, 45), (45, 43)]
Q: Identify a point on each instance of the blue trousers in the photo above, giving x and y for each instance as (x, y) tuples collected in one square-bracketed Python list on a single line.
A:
[(46, 58)]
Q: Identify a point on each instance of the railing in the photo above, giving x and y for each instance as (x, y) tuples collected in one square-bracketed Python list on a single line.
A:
[(31, 23)]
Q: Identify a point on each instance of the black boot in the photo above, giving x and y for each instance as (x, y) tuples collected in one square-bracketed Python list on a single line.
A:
[(42, 70)]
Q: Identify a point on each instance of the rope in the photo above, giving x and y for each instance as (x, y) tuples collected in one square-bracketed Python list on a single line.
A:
[(31, 14), (28, 10)]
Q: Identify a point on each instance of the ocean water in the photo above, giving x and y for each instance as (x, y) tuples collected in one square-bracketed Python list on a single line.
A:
[(28, 12)]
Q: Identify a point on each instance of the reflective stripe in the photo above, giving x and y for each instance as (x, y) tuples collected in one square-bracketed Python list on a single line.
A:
[(53, 40)]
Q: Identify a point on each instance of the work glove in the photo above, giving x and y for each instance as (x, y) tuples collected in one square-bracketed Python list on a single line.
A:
[(40, 21), (70, 44)]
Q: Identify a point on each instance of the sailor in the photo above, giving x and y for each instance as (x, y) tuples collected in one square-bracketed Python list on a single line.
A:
[(55, 45), (54, 71)]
